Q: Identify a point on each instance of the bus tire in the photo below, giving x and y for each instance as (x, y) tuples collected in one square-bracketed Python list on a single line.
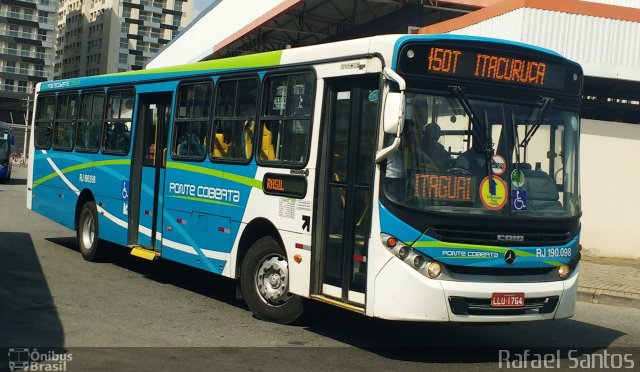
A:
[(88, 232), (264, 281)]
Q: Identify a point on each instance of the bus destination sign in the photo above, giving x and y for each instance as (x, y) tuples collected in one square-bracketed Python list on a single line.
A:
[(284, 185), (500, 66), (486, 66)]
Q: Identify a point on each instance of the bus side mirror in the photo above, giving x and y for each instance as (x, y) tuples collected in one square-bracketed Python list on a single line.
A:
[(11, 140), (394, 113)]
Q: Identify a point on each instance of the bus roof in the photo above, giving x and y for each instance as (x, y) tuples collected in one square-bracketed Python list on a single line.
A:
[(385, 45)]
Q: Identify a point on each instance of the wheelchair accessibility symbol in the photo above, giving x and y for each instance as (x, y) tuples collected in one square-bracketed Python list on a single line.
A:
[(519, 200), (125, 190)]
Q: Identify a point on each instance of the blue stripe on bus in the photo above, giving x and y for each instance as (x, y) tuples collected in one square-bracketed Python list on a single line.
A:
[(476, 254)]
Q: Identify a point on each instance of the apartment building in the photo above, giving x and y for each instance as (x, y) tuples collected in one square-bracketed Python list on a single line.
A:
[(27, 29), (105, 36)]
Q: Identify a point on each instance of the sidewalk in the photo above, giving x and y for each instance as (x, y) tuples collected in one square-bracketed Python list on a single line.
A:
[(612, 281)]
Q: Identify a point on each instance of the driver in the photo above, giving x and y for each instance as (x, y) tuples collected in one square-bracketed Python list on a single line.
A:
[(435, 150)]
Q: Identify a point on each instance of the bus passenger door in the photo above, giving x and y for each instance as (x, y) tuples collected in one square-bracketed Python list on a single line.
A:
[(345, 189), (148, 170)]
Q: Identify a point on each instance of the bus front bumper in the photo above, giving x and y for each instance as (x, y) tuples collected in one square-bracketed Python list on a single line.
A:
[(401, 293)]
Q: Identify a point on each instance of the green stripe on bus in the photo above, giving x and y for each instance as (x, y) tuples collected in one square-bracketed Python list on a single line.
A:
[(255, 60), (186, 167), (202, 200), (554, 263), (81, 166), (217, 173), (436, 244)]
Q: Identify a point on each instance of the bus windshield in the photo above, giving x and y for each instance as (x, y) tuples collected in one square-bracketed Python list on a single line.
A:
[(4, 146), (513, 159)]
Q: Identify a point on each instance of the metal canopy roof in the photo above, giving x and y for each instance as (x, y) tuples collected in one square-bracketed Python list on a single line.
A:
[(234, 27), (318, 21)]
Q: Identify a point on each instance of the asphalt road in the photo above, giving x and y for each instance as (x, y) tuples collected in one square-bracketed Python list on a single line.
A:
[(159, 315)]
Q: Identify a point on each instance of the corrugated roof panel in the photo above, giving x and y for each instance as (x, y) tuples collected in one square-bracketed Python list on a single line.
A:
[(507, 26), (587, 39), (627, 3), (604, 47)]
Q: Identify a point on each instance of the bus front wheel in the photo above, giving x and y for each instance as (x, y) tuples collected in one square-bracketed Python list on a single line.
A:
[(88, 232), (264, 280)]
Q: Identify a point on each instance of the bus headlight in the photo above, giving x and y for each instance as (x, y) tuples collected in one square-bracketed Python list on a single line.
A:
[(434, 269), (420, 262), (563, 271), (403, 252)]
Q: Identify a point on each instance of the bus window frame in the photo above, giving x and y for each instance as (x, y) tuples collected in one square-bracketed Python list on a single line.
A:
[(215, 117), (48, 121), (174, 131), (262, 116), (106, 119), (73, 121), (101, 119)]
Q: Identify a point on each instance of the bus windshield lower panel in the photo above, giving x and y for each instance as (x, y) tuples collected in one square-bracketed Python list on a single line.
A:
[(516, 160)]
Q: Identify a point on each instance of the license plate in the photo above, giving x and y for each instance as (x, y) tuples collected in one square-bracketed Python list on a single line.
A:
[(507, 300)]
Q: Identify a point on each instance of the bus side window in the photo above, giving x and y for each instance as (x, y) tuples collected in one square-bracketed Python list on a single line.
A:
[(234, 122), (189, 140), (43, 130), (286, 118), (65, 122), (117, 124), (89, 129), (118, 137)]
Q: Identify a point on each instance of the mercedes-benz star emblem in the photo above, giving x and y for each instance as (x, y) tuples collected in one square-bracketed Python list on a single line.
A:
[(510, 257)]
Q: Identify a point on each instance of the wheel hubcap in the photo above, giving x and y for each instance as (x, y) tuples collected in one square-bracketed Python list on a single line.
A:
[(88, 232), (272, 279)]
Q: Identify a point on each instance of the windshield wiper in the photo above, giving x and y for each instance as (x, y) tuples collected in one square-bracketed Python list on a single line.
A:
[(546, 103), (464, 102), (484, 143)]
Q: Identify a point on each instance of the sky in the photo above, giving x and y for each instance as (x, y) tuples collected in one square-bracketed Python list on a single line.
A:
[(199, 5)]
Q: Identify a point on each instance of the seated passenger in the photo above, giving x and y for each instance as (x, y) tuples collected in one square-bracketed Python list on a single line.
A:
[(124, 140), (183, 146), (152, 152), (472, 160), (542, 192), (195, 148)]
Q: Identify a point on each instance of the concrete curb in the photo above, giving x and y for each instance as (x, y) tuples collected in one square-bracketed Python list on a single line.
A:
[(608, 297)]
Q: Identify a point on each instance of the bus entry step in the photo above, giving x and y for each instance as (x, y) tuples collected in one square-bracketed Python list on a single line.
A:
[(143, 253)]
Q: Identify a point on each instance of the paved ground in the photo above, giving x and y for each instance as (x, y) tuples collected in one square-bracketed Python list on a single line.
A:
[(610, 281), (163, 316)]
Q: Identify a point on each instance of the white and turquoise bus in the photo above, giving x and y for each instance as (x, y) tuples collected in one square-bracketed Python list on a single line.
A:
[(423, 178)]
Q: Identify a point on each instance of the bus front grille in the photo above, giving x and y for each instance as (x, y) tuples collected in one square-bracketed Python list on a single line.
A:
[(499, 271), (501, 238)]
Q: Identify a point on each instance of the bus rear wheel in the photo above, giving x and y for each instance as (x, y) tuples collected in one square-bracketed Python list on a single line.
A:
[(264, 280), (88, 232)]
